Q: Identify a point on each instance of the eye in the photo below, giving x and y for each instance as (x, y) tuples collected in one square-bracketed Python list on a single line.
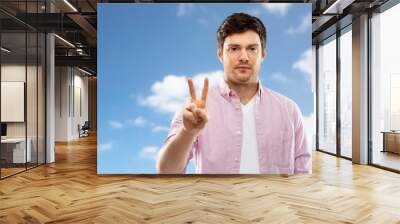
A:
[(233, 48)]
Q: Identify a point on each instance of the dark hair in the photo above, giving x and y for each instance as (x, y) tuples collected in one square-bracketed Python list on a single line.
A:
[(240, 23)]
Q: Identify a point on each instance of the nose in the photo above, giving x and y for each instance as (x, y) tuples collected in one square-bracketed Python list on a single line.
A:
[(243, 57)]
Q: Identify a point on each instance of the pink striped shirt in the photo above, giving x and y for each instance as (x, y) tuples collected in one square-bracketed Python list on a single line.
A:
[(281, 140)]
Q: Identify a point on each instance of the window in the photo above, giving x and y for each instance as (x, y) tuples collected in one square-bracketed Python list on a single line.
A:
[(346, 75), (385, 88), (327, 95)]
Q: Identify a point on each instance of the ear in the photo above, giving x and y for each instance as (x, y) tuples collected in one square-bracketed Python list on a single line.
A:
[(220, 55), (264, 54)]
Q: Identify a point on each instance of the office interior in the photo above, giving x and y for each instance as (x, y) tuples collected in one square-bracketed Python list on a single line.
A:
[(357, 80), (49, 75), (48, 79)]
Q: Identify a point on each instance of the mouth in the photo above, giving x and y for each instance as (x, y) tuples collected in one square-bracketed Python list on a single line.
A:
[(243, 67)]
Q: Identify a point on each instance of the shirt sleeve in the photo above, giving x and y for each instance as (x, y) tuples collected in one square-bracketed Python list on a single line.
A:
[(176, 125), (303, 160)]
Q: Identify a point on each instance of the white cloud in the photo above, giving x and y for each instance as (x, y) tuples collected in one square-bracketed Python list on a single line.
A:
[(149, 152), (184, 8), (143, 122), (198, 80), (115, 124), (138, 122), (309, 126), (303, 27), (105, 146), (159, 128), (276, 8), (170, 94), (279, 77), (305, 65), (167, 95)]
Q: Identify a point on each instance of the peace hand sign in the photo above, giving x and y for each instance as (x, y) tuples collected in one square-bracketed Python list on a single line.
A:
[(202, 102), (194, 114)]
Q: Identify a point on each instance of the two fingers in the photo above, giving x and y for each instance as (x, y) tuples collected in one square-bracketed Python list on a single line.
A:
[(196, 108), (202, 101)]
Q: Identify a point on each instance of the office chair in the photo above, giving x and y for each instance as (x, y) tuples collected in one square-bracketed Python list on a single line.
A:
[(84, 130)]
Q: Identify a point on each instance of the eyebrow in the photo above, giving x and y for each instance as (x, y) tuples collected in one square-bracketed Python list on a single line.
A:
[(238, 45)]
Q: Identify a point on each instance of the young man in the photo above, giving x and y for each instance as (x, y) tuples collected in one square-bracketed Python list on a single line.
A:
[(239, 126)]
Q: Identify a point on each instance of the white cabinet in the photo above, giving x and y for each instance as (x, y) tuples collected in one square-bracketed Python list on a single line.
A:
[(18, 153)]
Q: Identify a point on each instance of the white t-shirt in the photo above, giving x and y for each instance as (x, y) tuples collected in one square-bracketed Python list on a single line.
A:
[(249, 156)]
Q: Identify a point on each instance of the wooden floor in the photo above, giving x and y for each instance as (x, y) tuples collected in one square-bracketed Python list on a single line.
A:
[(5, 172), (70, 191), (387, 159), (10, 171)]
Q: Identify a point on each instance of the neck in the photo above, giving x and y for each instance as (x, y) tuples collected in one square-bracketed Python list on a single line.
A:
[(244, 91)]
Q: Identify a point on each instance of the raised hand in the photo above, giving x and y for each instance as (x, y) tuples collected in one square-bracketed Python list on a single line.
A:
[(194, 113)]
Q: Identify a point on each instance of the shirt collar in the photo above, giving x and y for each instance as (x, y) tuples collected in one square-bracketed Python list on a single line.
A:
[(227, 93)]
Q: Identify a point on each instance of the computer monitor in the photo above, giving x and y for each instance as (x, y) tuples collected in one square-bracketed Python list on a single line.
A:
[(3, 129)]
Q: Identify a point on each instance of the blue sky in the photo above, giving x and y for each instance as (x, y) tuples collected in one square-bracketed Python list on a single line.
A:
[(145, 51)]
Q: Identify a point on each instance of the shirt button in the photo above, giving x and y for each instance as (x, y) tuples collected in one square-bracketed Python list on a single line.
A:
[(236, 159), (238, 132)]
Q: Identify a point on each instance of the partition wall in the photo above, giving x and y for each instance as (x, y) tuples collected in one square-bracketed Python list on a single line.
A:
[(23, 86)]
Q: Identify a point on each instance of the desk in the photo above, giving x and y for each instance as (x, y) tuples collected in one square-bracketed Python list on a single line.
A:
[(17, 150), (391, 141)]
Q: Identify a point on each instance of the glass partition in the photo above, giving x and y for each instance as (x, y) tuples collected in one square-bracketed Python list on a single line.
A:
[(13, 105), (31, 100), (41, 87), (22, 89)]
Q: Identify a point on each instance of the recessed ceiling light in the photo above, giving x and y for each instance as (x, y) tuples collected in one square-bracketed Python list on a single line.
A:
[(70, 5), (5, 50), (84, 71), (338, 6), (65, 41)]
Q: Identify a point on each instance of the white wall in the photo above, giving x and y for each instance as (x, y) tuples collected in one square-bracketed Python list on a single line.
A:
[(70, 83), (12, 101), (14, 73), (33, 126), (17, 73), (61, 103)]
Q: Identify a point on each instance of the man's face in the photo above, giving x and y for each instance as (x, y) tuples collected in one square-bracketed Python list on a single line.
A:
[(242, 56)]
